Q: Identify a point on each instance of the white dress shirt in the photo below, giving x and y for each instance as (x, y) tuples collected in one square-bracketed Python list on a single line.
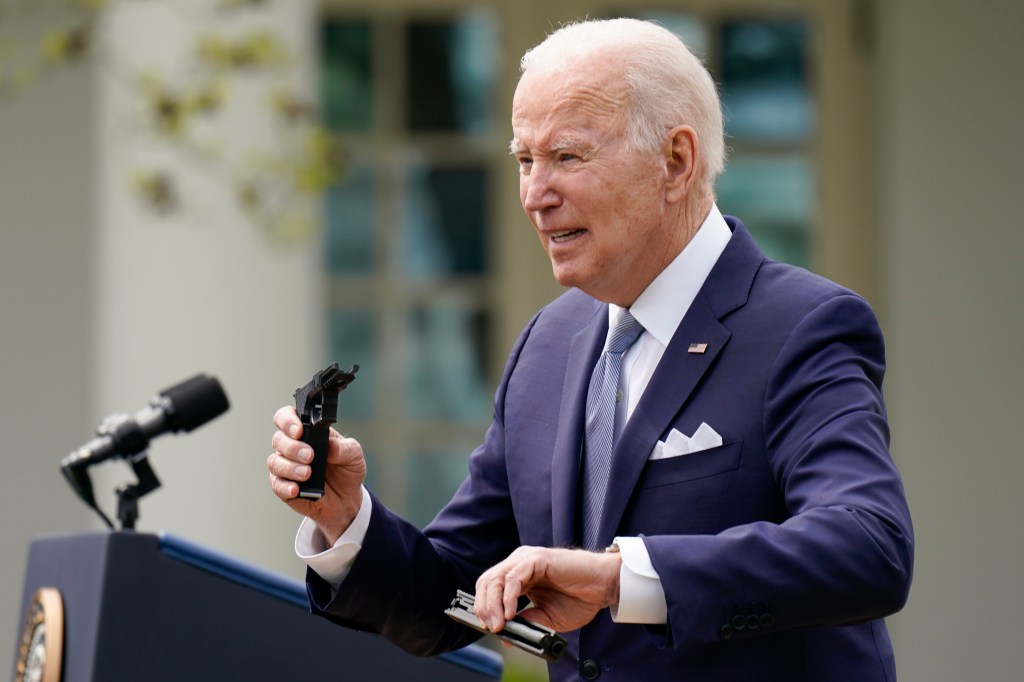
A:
[(660, 309)]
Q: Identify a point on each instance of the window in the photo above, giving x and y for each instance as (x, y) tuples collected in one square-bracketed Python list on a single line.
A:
[(407, 243), (762, 70)]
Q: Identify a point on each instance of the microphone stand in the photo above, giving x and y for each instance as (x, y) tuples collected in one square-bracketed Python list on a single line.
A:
[(128, 494)]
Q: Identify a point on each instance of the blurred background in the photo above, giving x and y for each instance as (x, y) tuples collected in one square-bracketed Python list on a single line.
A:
[(256, 188)]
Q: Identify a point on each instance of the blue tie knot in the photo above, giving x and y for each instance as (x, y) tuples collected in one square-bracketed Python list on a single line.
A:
[(625, 333)]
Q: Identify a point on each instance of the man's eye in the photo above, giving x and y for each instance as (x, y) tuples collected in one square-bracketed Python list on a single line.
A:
[(566, 156), (525, 163)]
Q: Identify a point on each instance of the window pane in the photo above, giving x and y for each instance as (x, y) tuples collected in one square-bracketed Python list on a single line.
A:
[(765, 92), (433, 479), (690, 30), (451, 73), (446, 377), (445, 221), (345, 75), (348, 224), (351, 342), (773, 197)]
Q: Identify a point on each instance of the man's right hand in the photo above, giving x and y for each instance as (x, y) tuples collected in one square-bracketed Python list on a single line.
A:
[(346, 471)]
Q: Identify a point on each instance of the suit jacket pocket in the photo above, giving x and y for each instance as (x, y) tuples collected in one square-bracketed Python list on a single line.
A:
[(691, 467)]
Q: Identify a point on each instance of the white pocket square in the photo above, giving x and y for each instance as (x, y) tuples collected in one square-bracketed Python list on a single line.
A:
[(677, 444)]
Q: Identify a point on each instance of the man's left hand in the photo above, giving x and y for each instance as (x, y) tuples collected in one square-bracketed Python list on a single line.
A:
[(567, 587)]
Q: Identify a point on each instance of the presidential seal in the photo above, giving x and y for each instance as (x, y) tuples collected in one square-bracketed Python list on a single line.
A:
[(41, 645)]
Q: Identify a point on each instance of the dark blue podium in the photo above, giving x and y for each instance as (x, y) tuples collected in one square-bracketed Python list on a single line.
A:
[(146, 607)]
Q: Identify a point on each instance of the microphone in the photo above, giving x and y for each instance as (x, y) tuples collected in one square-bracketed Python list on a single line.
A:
[(182, 407)]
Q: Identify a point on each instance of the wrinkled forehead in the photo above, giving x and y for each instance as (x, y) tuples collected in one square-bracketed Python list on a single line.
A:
[(568, 97)]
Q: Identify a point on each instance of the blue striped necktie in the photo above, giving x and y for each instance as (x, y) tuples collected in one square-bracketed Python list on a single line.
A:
[(600, 426)]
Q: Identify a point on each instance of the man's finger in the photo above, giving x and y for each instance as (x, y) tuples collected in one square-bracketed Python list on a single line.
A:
[(287, 469), (286, 490), (288, 421), (488, 602), (295, 450), (340, 448), (510, 596)]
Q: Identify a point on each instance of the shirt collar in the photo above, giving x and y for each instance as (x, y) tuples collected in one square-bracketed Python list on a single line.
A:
[(665, 301)]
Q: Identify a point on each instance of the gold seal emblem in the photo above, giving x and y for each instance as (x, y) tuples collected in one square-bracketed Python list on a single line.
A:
[(42, 638)]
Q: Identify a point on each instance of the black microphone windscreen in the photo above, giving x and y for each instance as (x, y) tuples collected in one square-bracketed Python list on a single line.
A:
[(195, 401)]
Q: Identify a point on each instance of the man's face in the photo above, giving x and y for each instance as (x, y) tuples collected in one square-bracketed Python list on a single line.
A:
[(598, 206)]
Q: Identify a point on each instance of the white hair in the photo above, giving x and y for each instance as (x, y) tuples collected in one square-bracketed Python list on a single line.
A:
[(668, 84)]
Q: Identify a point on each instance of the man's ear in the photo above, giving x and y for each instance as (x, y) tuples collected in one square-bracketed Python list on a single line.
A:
[(681, 154)]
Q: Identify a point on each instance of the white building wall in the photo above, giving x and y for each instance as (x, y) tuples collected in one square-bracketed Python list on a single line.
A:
[(104, 304), (202, 289), (951, 107)]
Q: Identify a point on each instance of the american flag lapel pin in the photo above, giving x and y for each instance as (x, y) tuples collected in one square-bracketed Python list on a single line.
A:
[(697, 348)]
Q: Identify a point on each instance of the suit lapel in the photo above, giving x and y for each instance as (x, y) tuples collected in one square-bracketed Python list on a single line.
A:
[(584, 349), (678, 373)]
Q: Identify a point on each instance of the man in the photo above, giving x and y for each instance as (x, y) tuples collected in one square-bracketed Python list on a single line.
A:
[(734, 455)]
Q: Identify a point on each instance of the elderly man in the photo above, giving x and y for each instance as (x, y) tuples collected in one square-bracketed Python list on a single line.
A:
[(688, 468)]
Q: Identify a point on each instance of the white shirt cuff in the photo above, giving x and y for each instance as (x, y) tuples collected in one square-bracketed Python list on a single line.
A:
[(333, 563), (641, 595)]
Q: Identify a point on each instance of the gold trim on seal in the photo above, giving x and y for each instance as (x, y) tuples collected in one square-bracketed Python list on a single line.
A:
[(41, 647)]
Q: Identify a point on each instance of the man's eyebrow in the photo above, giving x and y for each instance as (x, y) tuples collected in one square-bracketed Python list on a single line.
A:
[(558, 145)]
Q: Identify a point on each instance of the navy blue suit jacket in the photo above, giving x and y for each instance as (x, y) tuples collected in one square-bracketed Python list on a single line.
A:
[(780, 551)]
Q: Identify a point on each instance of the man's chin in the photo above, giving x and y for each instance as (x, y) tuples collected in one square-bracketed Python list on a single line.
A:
[(567, 277)]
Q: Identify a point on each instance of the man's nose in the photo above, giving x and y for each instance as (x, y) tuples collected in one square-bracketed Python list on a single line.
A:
[(538, 191)]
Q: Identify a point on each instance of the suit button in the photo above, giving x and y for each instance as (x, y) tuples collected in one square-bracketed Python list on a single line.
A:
[(726, 631), (590, 669), (739, 622), (767, 620), (753, 622)]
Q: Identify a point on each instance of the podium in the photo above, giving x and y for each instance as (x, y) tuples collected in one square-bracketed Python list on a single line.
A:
[(158, 607)]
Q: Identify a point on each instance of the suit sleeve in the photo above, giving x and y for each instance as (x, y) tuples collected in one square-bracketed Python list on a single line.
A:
[(845, 553), (404, 578)]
